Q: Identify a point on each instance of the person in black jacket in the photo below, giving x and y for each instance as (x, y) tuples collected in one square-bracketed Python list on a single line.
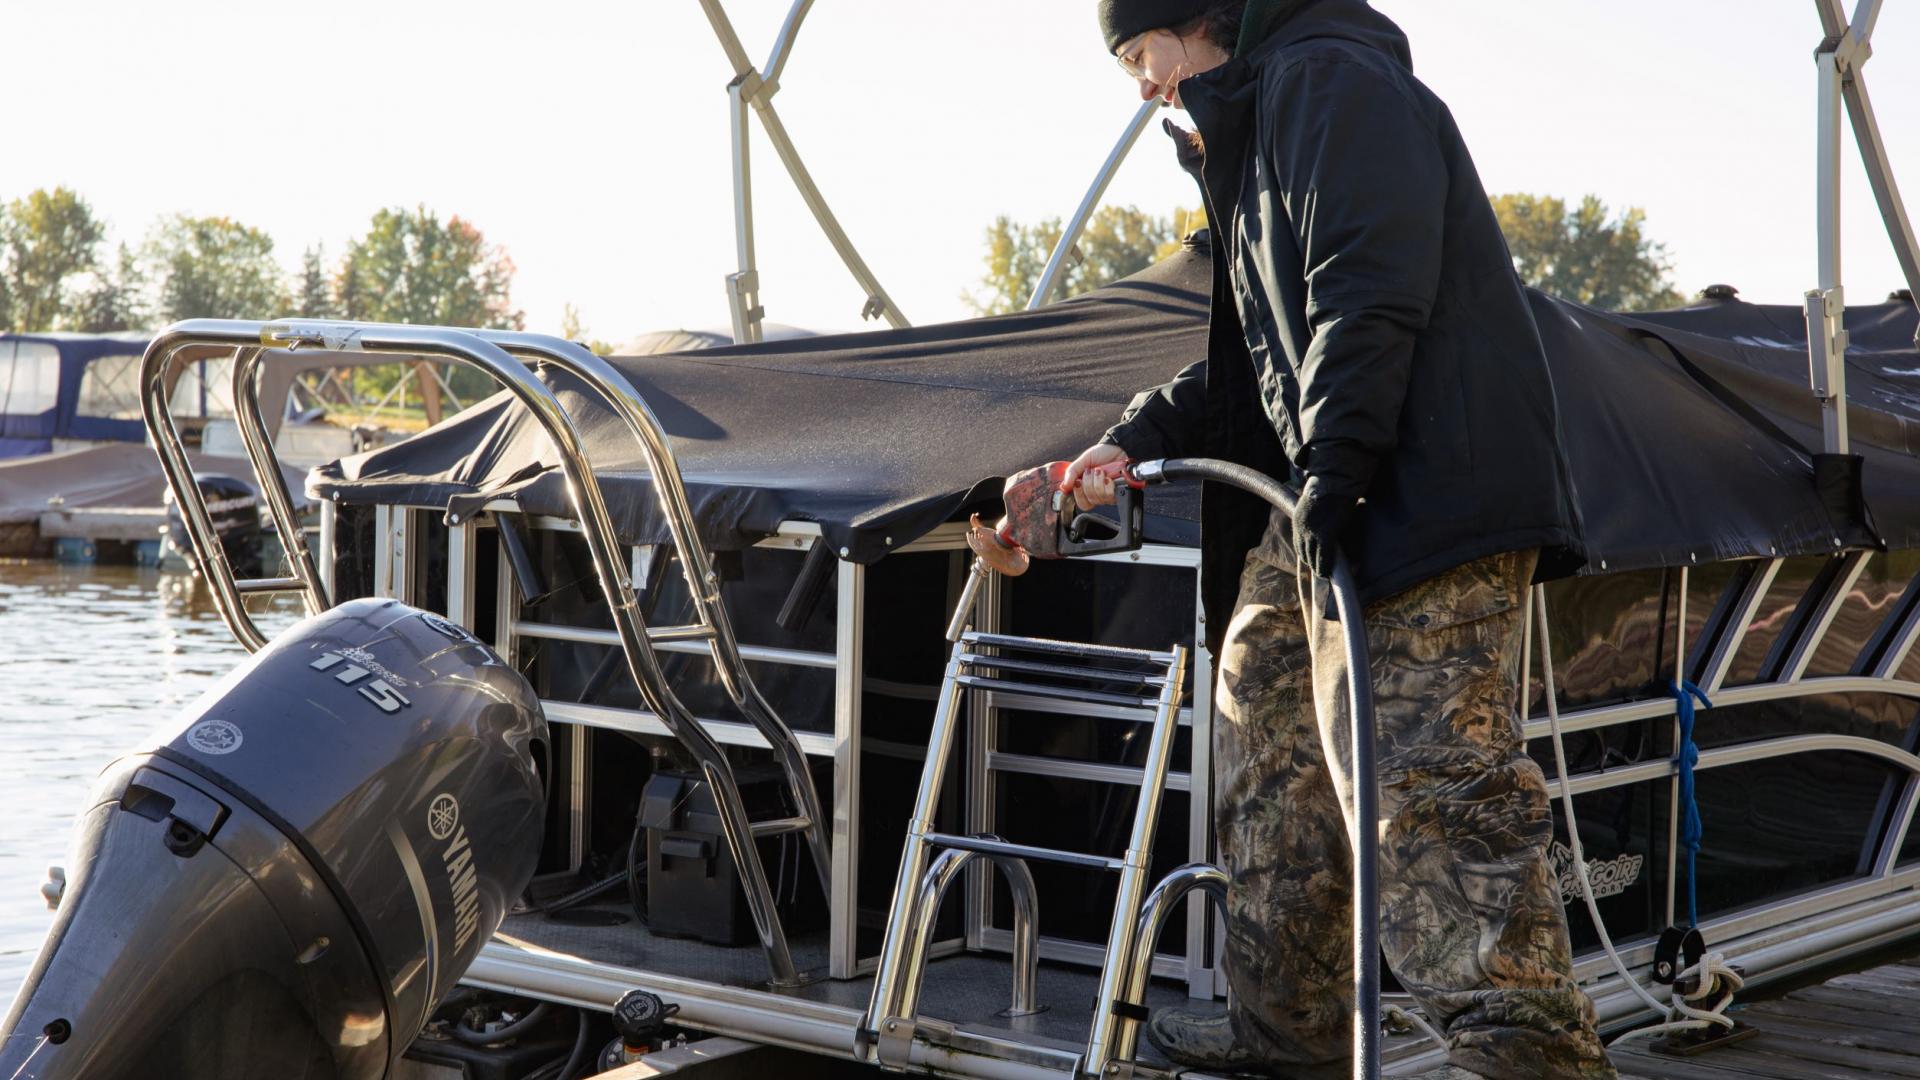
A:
[(1370, 342)]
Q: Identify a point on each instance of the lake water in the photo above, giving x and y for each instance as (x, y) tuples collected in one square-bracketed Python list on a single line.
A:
[(92, 660)]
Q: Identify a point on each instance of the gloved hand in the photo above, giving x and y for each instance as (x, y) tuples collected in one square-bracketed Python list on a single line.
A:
[(1321, 518)]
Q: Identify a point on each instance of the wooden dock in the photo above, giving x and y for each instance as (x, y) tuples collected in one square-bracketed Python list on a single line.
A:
[(1850, 1027)]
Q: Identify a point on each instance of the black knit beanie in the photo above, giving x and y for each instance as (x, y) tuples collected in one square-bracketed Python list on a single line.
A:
[(1124, 19)]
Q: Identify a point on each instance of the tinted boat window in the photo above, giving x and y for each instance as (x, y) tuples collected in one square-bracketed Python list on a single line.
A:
[(1609, 639), (1873, 597), (1775, 612)]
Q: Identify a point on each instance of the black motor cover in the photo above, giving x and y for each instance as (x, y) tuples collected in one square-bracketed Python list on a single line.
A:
[(285, 881), (235, 511)]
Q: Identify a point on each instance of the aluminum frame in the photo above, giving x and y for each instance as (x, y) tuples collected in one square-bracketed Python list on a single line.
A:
[(753, 89), (1841, 85)]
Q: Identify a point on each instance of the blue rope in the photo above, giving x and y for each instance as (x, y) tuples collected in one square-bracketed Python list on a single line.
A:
[(1686, 756)]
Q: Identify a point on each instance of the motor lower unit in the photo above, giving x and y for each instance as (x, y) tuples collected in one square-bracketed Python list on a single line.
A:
[(286, 881)]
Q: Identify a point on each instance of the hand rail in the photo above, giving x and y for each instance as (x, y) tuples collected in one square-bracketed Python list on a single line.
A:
[(703, 585), (251, 339)]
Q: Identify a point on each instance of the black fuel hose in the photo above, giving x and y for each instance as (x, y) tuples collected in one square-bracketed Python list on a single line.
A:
[(1366, 788), (512, 1031)]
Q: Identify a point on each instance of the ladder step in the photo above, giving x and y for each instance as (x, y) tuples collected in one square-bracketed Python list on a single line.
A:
[(1032, 667), (1058, 693), (690, 632), (1024, 851), (776, 826), (1067, 648), (269, 585)]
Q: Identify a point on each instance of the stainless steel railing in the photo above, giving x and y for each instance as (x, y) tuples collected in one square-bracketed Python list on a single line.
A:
[(500, 355)]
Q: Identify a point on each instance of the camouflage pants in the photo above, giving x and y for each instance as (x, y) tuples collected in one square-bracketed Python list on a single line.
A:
[(1470, 916)]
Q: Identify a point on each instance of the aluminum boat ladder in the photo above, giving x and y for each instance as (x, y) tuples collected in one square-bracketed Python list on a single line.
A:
[(1145, 682), (505, 356)]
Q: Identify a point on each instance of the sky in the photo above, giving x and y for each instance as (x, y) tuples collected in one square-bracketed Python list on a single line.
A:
[(590, 140)]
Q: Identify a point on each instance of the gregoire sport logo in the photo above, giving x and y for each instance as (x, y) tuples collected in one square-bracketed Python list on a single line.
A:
[(1610, 877)]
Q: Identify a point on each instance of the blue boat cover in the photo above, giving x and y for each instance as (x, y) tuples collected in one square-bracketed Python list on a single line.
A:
[(32, 432)]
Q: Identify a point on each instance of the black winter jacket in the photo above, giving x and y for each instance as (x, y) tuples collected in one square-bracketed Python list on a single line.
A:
[(1367, 323)]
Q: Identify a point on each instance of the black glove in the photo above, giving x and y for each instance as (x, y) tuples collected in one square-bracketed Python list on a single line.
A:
[(1321, 519)]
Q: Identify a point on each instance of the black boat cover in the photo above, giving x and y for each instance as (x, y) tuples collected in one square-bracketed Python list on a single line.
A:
[(1690, 432)]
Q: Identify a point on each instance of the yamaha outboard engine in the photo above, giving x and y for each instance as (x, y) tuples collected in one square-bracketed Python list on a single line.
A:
[(285, 883), (235, 511)]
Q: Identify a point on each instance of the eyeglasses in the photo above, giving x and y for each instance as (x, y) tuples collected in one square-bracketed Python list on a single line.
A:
[(1131, 53)]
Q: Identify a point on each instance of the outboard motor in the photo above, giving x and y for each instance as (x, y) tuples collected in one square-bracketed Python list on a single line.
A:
[(285, 882), (235, 510)]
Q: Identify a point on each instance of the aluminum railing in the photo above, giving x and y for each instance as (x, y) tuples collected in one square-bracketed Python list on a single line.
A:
[(501, 354)]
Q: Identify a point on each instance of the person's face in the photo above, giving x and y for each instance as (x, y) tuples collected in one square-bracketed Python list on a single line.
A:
[(1159, 59)]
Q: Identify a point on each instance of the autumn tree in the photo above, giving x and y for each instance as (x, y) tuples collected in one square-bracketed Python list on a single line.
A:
[(1118, 241), (214, 268), (48, 241), (1586, 253)]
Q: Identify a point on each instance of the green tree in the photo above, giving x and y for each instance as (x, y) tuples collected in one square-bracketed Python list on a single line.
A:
[(1118, 241), (1587, 254), (115, 302), (313, 294), (214, 268), (47, 240), (411, 267)]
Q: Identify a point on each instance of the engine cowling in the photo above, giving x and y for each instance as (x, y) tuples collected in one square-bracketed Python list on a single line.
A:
[(286, 880)]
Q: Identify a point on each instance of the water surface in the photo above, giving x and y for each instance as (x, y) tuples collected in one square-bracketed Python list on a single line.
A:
[(92, 660)]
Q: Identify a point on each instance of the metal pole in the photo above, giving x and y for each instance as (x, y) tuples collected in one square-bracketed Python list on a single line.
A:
[(1826, 305), (1160, 904), (751, 87), (887, 978), (1069, 236), (783, 44), (743, 285), (1116, 974)]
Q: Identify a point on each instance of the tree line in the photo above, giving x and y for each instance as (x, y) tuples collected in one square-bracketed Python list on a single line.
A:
[(1583, 252), (409, 266)]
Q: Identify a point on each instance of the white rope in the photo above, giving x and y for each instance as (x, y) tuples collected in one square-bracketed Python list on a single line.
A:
[(1716, 980)]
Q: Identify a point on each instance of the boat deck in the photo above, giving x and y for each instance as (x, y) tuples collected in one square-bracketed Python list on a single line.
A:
[(722, 990), (1851, 1026)]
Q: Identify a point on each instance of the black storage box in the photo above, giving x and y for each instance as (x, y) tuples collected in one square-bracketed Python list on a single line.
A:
[(693, 886)]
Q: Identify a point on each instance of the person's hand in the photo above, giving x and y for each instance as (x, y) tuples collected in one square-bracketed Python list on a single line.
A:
[(1092, 488), (1321, 519)]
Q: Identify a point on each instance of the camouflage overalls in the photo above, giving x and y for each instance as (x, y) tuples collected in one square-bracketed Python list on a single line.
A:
[(1470, 918)]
